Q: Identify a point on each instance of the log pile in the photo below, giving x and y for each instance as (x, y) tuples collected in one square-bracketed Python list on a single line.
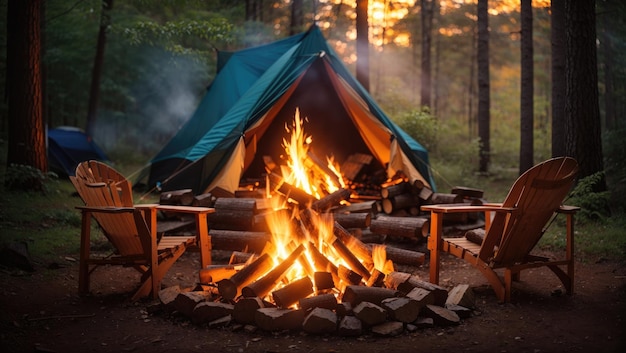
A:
[(352, 292), (403, 304)]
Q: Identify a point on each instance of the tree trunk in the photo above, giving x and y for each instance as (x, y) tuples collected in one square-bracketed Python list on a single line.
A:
[(607, 27), (96, 73), (362, 44), (526, 100), (427, 25), (27, 142), (583, 134), (254, 10), (297, 17), (483, 85), (557, 26)]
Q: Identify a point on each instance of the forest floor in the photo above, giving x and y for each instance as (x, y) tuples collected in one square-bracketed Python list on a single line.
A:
[(41, 312)]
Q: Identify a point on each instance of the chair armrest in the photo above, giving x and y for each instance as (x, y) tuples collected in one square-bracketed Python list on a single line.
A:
[(565, 209), (110, 209), (457, 208), (175, 208)]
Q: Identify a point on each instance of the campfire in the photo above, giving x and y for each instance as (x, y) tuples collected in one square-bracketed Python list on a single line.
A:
[(305, 268)]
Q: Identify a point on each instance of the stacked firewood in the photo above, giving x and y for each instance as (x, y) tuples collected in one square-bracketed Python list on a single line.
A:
[(403, 303)]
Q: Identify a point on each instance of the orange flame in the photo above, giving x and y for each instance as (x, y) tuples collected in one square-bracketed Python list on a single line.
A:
[(302, 172)]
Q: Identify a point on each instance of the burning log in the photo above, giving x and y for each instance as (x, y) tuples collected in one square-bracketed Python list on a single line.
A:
[(353, 220), (320, 261), (326, 301), (309, 220), (261, 287), (231, 288), (234, 240), (348, 276), (403, 256), (240, 257), (314, 162), (262, 219), (361, 250), (377, 279), (350, 258), (323, 281), (330, 200), (375, 295), (293, 292), (411, 227), (300, 196), (216, 273)]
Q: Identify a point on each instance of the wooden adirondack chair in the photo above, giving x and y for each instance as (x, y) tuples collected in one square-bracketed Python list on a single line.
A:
[(517, 225), (131, 229)]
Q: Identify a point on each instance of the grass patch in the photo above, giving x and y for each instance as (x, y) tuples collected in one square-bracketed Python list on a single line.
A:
[(47, 222), (593, 241)]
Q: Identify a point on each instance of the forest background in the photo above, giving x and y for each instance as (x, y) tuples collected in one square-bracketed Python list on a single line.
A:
[(160, 57)]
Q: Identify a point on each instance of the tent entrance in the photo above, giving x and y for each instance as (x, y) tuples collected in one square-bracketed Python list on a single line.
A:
[(327, 121)]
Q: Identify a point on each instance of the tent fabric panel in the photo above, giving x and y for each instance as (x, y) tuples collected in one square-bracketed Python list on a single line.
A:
[(230, 174), (255, 105), (238, 71)]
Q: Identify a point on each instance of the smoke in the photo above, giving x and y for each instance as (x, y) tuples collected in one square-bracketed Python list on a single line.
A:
[(162, 97)]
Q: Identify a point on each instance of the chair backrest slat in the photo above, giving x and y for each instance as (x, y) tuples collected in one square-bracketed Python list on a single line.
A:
[(536, 195), (101, 186)]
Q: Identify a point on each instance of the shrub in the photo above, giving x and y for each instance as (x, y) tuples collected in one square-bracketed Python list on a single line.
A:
[(593, 204), (27, 178)]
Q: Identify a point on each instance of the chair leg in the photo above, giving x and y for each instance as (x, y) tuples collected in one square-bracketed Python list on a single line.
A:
[(151, 279), (83, 266), (566, 278), (494, 280)]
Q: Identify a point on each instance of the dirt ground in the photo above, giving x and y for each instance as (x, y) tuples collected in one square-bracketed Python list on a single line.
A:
[(41, 312)]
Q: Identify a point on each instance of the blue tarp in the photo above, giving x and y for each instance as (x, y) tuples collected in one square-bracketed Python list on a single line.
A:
[(68, 146)]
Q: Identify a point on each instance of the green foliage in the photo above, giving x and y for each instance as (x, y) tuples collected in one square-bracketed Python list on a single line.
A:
[(421, 125), (594, 241), (171, 34), (593, 204), (27, 178)]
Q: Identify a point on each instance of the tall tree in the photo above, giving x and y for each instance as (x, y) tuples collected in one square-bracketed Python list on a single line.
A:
[(607, 26), (557, 36), (362, 44), (254, 10), (527, 89), (427, 25), (484, 118), (27, 144), (297, 17), (98, 63), (582, 109)]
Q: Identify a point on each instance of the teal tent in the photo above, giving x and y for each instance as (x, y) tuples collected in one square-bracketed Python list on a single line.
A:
[(255, 94)]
